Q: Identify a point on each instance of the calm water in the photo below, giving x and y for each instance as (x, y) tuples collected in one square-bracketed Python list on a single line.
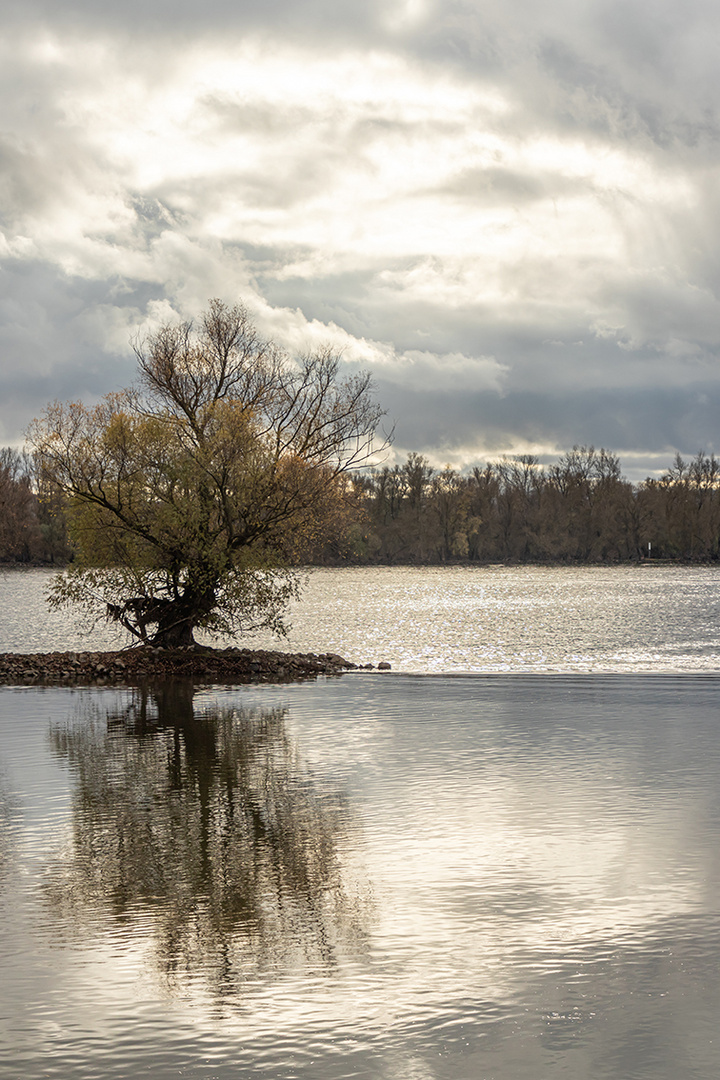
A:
[(503, 877), (454, 619), (404, 876)]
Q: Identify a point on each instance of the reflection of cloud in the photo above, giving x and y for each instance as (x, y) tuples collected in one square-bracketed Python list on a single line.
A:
[(542, 853), (8, 830), (613, 1006)]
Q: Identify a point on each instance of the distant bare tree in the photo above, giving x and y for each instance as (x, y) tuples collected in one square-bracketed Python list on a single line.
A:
[(19, 530)]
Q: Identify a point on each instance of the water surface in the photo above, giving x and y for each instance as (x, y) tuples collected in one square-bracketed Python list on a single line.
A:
[(375, 876), (458, 619)]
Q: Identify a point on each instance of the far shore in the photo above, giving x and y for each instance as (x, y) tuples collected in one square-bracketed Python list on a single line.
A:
[(135, 666)]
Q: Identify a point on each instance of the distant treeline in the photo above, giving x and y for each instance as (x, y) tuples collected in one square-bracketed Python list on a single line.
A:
[(578, 510), (32, 522)]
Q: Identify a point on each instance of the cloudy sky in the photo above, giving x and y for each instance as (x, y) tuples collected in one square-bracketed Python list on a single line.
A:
[(506, 211)]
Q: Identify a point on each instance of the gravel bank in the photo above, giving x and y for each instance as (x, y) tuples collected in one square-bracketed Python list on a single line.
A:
[(133, 666)]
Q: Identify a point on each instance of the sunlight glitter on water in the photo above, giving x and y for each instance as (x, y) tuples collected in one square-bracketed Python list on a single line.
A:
[(460, 619)]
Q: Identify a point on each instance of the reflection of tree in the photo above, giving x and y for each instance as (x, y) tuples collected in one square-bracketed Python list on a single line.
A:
[(208, 828)]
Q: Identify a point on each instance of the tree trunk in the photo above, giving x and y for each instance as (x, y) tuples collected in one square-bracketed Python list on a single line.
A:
[(174, 633), (176, 619)]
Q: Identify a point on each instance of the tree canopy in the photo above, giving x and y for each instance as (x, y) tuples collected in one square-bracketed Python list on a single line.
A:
[(188, 492)]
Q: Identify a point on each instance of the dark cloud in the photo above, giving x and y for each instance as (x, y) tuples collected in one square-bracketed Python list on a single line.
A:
[(501, 186), (54, 340), (175, 19), (452, 424)]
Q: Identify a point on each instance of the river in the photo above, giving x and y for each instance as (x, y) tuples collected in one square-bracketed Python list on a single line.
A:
[(456, 619), (502, 872)]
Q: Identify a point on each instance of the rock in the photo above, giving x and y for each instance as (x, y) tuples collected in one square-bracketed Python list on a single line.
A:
[(384, 666), (131, 667)]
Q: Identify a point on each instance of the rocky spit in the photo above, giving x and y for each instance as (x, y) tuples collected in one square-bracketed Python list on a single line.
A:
[(135, 666)]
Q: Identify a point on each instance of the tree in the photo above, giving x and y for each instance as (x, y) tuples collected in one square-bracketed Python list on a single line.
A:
[(19, 531), (450, 505), (188, 493)]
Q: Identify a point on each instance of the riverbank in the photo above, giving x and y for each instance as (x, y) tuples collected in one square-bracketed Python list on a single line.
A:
[(130, 667)]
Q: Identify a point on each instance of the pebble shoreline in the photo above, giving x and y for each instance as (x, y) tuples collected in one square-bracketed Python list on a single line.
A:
[(133, 666)]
